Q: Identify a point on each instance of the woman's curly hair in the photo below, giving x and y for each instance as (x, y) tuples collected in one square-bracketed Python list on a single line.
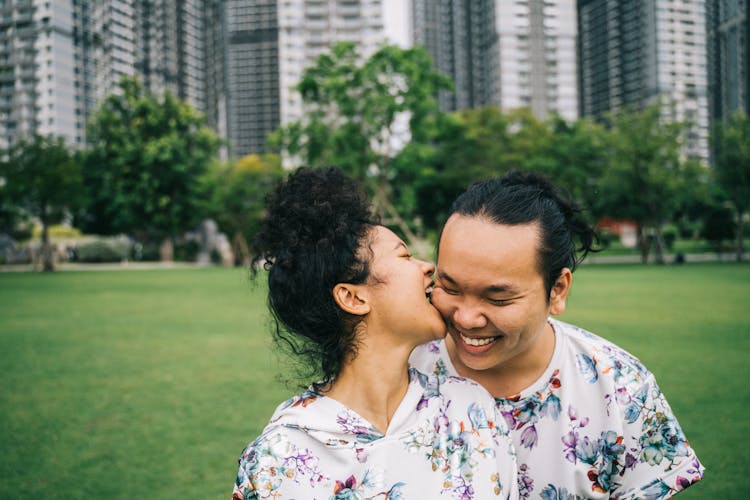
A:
[(311, 238)]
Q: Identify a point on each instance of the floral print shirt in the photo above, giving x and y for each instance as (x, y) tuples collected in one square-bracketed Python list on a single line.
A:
[(445, 440), (595, 424)]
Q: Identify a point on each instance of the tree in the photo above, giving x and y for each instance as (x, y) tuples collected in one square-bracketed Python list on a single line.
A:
[(574, 156), (42, 179), (146, 165), (731, 144), (645, 176), (358, 114), (475, 144), (239, 198)]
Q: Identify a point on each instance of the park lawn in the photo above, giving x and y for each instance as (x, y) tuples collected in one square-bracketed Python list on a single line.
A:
[(147, 384)]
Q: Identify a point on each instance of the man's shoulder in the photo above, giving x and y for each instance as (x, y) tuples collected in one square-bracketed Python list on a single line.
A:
[(582, 341), (597, 355)]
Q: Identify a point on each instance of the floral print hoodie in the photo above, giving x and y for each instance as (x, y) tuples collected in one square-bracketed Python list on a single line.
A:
[(445, 440), (594, 425)]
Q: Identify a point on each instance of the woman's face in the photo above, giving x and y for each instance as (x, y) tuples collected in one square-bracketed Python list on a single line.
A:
[(400, 289)]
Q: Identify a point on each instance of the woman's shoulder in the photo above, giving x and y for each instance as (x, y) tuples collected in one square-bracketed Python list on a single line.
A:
[(432, 358)]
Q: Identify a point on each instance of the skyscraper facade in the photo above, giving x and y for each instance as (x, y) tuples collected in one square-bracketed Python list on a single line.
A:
[(462, 40), (170, 48), (632, 54), (37, 70), (261, 49), (249, 101), (538, 56), (728, 57), (510, 53), (237, 61), (59, 59)]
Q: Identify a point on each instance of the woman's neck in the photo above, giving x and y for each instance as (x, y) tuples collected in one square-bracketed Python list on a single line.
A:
[(373, 383)]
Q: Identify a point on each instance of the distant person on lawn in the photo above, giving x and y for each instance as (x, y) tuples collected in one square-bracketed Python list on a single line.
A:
[(352, 301), (587, 418)]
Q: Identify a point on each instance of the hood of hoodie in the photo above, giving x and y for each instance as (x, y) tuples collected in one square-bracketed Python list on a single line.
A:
[(333, 424)]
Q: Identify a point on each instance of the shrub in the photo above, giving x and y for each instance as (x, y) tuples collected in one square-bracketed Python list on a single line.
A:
[(103, 251), (186, 251), (606, 237), (57, 231), (147, 252), (669, 233)]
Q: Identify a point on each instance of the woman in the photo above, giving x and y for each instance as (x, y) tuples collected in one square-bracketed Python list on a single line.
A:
[(349, 299)]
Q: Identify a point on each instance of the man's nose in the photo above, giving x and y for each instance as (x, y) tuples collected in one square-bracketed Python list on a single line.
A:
[(468, 315)]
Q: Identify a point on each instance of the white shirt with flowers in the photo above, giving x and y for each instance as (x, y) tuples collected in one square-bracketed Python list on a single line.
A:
[(446, 440), (594, 425)]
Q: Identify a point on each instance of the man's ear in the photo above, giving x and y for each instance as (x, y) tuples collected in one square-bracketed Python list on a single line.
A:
[(559, 293), (351, 299)]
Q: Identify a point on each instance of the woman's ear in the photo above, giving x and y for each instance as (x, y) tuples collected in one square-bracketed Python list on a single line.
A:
[(351, 298), (559, 292)]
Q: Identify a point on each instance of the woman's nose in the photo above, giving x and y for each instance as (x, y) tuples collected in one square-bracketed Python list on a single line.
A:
[(428, 267)]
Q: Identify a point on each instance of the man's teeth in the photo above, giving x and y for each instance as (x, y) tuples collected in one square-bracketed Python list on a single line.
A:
[(428, 291), (477, 342)]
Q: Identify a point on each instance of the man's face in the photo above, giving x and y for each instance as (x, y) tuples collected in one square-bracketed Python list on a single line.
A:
[(491, 294)]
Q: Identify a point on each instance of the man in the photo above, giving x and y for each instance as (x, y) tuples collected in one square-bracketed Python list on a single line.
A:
[(587, 418)]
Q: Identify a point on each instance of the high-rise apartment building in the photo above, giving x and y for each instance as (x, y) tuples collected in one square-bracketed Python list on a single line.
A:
[(538, 56), (463, 42), (235, 60), (37, 70), (170, 48), (728, 30), (261, 49), (633, 53), (510, 53), (59, 59)]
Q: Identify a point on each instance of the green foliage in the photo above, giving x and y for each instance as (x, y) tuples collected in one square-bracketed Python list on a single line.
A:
[(42, 180), (476, 144), (670, 233), (357, 111), (731, 143), (575, 158), (646, 179), (146, 164), (718, 226), (103, 251), (238, 199)]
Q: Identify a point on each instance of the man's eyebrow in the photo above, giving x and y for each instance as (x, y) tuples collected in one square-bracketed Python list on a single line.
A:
[(443, 276), (499, 288)]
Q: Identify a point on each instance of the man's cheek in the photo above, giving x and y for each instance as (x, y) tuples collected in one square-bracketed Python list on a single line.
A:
[(442, 301)]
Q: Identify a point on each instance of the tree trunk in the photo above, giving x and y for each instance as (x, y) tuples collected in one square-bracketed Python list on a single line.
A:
[(643, 243), (48, 262), (658, 245), (740, 237), (388, 208), (241, 250), (166, 250)]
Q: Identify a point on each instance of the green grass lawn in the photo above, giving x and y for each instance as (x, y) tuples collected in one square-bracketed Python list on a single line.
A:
[(147, 384)]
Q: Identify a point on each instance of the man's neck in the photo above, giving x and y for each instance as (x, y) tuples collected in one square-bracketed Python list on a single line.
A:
[(513, 376)]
